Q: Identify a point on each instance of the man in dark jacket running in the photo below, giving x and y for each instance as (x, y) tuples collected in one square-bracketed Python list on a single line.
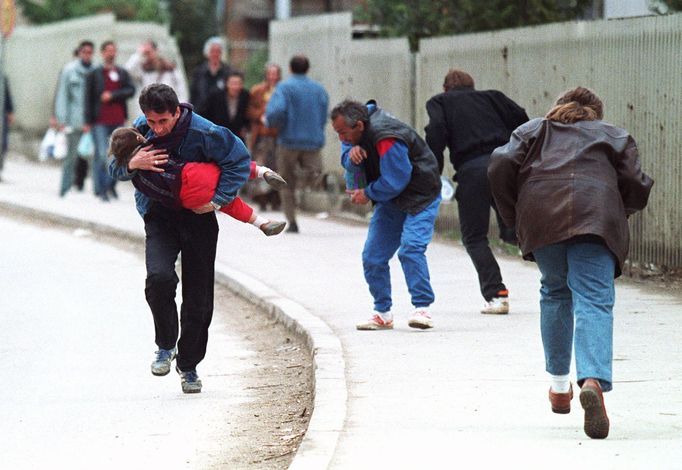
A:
[(471, 124)]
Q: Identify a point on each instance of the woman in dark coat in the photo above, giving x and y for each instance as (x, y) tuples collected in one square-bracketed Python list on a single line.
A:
[(228, 107), (568, 182)]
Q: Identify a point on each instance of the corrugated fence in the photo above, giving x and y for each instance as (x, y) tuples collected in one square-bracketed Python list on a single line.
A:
[(633, 64)]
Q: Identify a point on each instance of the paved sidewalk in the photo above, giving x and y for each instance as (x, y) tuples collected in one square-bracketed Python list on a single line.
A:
[(471, 391)]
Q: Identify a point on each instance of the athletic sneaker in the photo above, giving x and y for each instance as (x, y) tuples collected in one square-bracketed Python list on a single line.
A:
[(497, 305), (189, 380), (377, 322), (162, 361), (421, 318)]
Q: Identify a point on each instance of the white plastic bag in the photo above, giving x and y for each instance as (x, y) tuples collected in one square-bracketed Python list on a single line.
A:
[(86, 146), (47, 145), (61, 146)]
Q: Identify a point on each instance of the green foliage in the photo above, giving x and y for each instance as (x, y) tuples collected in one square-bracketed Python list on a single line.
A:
[(255, 66), (192, 23), (417, 19), (47, 11)]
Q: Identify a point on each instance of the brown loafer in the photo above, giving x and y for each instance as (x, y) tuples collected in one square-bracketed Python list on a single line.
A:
[(592, 401), (561, 402), (274, 180)]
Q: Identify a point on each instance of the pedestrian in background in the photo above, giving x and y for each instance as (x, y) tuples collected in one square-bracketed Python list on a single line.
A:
[(8, 120), (471, 124), (403, 183), (568, 182), (228, 107), (170, 232), (70, 108), (147, 66), (262, 139), (108, 88), (210, 76), (298, 110)]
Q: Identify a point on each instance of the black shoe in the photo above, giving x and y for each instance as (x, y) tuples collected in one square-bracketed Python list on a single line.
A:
[(293, 228)]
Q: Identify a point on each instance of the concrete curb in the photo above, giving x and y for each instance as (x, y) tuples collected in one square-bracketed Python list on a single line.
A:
[(329, 413), (329, 379)]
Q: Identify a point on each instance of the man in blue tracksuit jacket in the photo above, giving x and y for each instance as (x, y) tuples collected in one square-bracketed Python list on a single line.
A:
[(403, 182)]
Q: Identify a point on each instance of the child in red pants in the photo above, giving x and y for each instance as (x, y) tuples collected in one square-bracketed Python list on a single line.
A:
[(190, 184)]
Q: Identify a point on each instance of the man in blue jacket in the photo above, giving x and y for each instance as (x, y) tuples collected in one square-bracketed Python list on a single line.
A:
[(298, 109), (403, 182), (171, 231)]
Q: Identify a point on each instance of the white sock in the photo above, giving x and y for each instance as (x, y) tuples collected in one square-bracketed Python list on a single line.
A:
[(258, 221), (560, 383), (261, 170), (386, 315)]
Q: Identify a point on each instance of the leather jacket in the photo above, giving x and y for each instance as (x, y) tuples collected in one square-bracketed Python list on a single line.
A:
[(557, 182)]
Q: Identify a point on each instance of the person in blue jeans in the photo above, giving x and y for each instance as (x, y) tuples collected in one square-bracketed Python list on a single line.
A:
[(568, 182), (404, 184), (108, 88)]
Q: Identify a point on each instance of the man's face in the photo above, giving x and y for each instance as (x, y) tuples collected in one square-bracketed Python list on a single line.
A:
[(215, 53), (109, 54), (162, 123), (348, 134)]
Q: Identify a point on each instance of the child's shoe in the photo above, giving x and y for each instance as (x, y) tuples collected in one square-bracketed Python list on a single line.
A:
[(272, 227), (274, 180)]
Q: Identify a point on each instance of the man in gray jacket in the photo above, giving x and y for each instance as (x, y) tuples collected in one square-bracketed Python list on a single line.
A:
[(70, 107)]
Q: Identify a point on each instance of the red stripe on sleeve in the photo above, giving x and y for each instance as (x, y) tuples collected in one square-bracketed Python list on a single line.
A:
[(384, 146)]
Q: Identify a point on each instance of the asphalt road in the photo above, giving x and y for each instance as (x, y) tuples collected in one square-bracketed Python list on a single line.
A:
[(75, 346)]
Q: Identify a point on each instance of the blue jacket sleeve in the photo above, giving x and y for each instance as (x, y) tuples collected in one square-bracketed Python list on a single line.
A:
[(234, 160), (275, 111), (395, 168)]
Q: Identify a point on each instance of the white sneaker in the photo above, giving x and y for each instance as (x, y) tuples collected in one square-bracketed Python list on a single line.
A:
[(377, 322), (497, 306), (421, 318)]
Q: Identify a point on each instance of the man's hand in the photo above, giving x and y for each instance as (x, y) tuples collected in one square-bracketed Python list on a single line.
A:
[(204, 209), (357, 196), (148, 159), (105, 97), (357, 154)]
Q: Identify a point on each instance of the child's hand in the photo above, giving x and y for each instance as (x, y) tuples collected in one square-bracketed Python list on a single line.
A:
[(357, 196)]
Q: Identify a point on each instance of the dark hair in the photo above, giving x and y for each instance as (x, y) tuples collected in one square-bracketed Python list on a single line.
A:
[(235, 73), (159, 98), (85, 43), (457, 78), (299, 64), (351, 111), (106, 43), (576, 104), (124, 143)]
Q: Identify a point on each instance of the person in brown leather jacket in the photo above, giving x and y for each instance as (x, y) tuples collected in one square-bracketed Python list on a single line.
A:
[(568, 182)]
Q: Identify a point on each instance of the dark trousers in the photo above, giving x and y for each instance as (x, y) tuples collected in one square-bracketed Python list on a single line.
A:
[(169, 233), (474, 201)]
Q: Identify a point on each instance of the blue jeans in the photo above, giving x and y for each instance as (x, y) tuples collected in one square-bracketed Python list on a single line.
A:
[(577, 288), (392, 230), (100, 174)]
